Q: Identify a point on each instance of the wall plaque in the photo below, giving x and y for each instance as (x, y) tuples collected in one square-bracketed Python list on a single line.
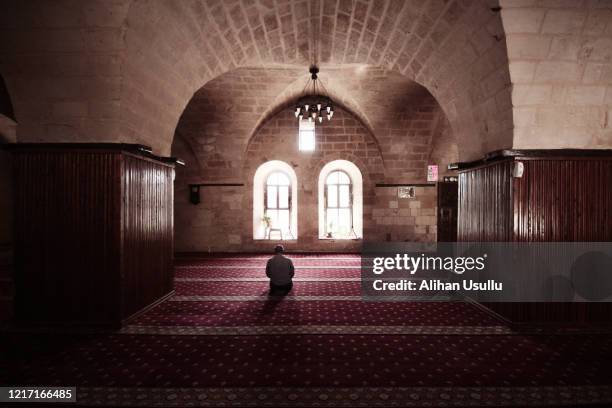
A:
[(406, 192)]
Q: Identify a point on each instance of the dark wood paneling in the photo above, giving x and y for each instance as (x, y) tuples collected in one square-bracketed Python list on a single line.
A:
[(147, 232), (6, 282), (555, 200), (558, 199), (67, 236), (563, 200), (94, 233), (485, 213)]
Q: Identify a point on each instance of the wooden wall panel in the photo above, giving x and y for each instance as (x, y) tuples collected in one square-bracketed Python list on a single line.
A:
[(485, 213), (6, 234), (6, 282), (558, 199), (94, 233), (147, 232), (67, 236), (563, 200)]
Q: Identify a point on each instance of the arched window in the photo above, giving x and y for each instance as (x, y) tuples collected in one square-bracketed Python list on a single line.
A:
[(340, 201), (275, 201), (278, 202), (338, 205)]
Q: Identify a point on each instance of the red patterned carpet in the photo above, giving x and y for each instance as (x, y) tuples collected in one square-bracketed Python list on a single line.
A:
[(221, 342)]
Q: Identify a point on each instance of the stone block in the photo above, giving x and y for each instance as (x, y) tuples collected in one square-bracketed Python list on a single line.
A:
[(522, 20), (507, 4), (565, 48), (522, 71), (378, 212), (70, 109), (531, 94), (404, 212), (234, 239), (428, 211), (608, 97), (524, 116), (557, 71), (597, 49), (585, 95), (594, 72), (528, 46), (563, 21)]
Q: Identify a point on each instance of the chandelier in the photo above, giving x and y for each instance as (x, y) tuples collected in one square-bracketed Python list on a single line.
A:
[(314, 106)]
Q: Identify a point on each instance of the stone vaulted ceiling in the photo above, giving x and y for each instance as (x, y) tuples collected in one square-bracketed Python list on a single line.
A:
[(230, 108), (125, 70)]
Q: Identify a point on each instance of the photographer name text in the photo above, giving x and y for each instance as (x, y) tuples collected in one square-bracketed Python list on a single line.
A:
[(437, 285)]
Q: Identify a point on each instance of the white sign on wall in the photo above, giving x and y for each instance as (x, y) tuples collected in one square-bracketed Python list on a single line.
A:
[(432, 172), (406, 192)]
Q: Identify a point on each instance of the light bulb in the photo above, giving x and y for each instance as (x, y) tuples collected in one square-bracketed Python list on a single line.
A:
[(328, 117), (300, 116), (320, 119), (328, 109), (297, 112), (314, 115), (331, 114), (310, 119), (306, 107), (318, 106)]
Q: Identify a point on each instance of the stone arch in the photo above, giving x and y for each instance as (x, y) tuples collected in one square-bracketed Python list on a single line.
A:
[(455, 49), (366, 174), (223, 117), (286, 102), (371, 163)]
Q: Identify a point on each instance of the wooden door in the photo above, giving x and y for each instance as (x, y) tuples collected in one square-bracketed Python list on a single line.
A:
[(447, 211)]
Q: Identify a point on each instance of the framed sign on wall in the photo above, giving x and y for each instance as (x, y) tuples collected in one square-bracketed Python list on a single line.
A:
[(406, 192)]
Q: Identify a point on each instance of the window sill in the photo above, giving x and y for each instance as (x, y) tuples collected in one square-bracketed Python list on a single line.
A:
[(271, 240), (339, 239)]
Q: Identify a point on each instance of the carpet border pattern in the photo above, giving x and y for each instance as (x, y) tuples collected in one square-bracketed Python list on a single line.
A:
[(346, 397)]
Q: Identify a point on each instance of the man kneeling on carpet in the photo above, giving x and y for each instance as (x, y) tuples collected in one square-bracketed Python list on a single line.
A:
[(280, 270)]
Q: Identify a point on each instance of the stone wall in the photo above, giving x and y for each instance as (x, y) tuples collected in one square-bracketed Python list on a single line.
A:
[(404, 219), (443, 149), (214, 225), (560, 55), (223, 219)]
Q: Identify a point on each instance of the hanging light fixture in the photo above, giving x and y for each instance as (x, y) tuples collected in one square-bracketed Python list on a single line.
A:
[(314, 106)]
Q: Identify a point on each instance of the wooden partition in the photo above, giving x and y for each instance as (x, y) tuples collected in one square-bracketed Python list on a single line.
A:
[(94, 232), (561, 196), (6, 236)]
